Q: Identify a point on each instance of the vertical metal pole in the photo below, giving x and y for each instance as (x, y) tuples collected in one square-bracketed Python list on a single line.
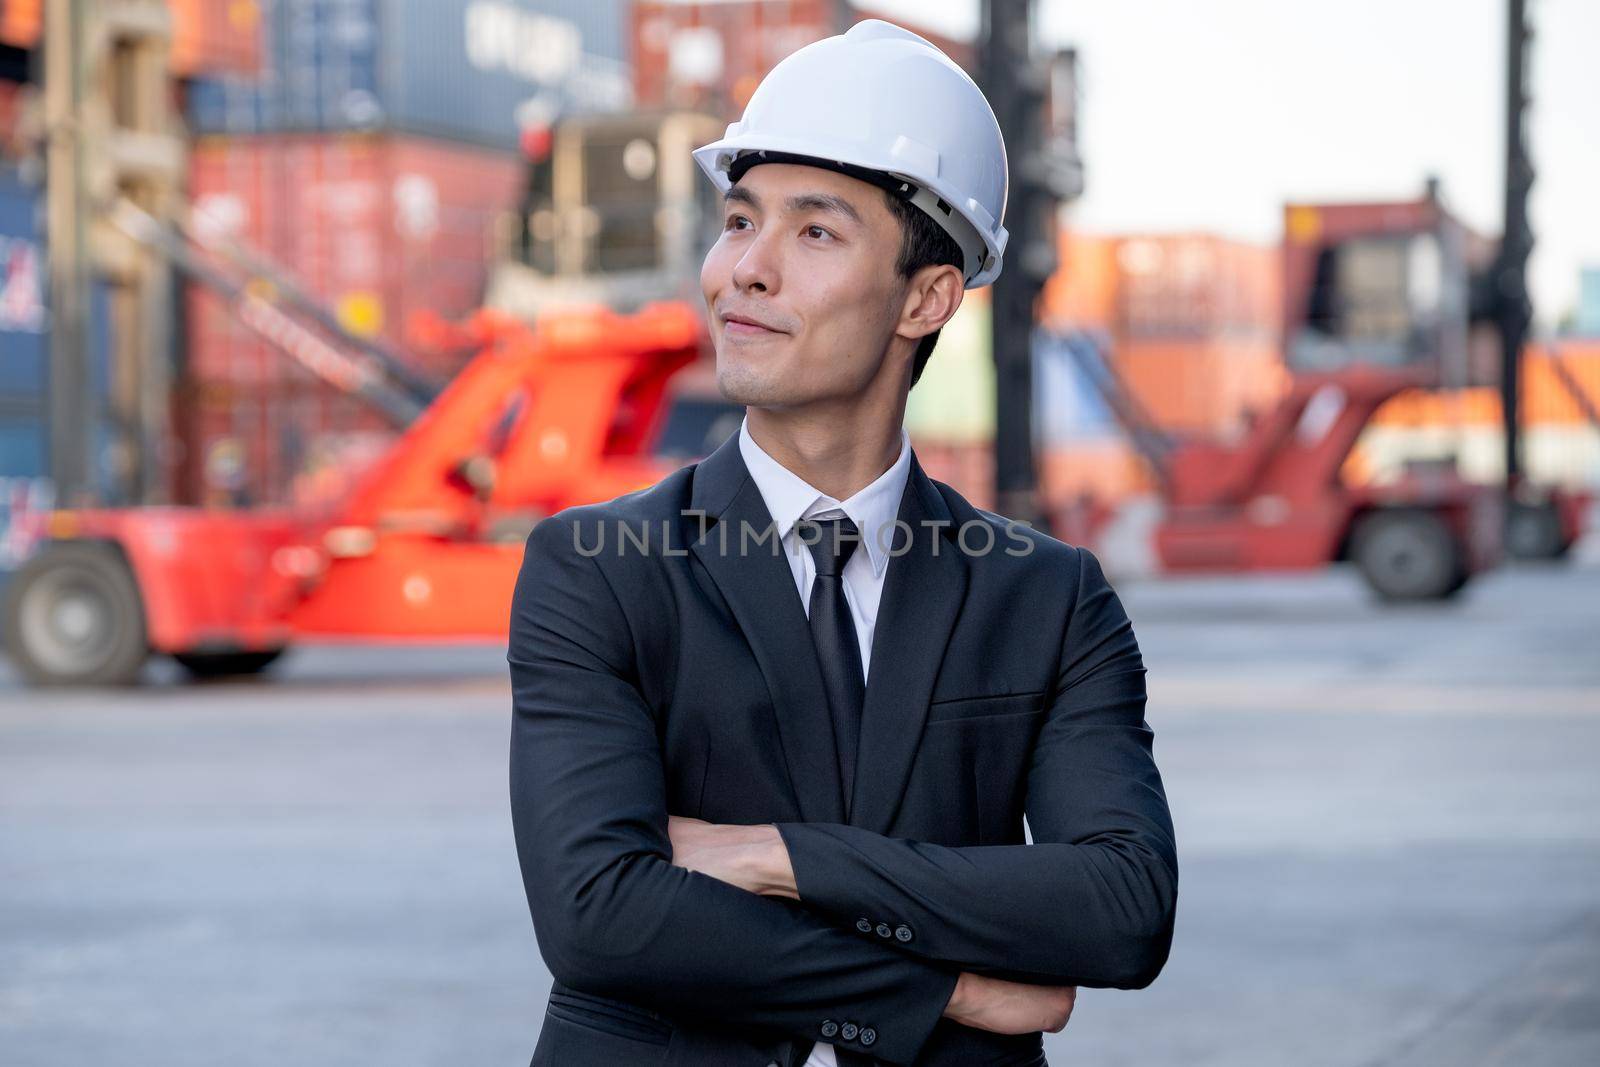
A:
[(843, 18), (1005, 58), (153, 280), (68, 252), (1515, 310)]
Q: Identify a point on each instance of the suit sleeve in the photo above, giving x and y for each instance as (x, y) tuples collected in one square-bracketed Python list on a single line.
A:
[(611, 914), (1091, 901)]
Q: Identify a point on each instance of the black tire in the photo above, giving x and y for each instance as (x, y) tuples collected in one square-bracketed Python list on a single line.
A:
[(1458, 584), (226, 664), (1409, 555), (73, 615), (1534, 532)]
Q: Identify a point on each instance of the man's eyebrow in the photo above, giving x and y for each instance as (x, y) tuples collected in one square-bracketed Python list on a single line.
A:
[(739, 194), (829, 202), (837, 205)]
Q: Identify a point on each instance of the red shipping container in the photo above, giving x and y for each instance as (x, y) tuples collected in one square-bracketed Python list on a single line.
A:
[(1196, 286), (712, 55), (376, 226), (289, 443), (1164, 287), (1082, 293), (1205, 386), (966, 466), (1106, 468), (20, 116)]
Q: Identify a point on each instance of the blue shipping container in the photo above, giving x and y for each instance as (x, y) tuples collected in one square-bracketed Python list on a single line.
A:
[(25, 450), (25, 307), (462, 70), (24, 441), (1067, 404), (25, 488), (24, 317), (23, 504)]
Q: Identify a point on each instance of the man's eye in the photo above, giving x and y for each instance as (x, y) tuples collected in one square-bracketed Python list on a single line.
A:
[(729, 224), (820, 232)]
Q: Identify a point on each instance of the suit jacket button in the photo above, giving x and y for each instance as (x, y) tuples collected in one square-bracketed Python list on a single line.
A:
[(829, 1028), (864, 925), (883, 930), (868, 1035), (902, 932), (848, 1031)]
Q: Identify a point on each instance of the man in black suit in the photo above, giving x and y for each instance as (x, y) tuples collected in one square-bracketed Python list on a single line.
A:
[(778, 718)]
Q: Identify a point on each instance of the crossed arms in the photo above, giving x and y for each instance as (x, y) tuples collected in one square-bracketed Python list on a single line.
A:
[(1090, 902)]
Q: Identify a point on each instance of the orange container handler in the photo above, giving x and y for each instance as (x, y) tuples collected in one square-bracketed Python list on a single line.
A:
[(426, 546)]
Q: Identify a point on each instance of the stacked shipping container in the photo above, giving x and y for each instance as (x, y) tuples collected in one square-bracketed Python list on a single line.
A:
[(26, 489), (1560, 443), (1195, 328), (19, 122), (206, 36), (372, 157), (1192, 324), (712, 55), (462, 70), (378, 227), (1191, 321), (24, 334)]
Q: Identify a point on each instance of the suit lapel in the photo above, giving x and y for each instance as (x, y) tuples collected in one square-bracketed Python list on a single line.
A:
[(759, 588), (922, 596)]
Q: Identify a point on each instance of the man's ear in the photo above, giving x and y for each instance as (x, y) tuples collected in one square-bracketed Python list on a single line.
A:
[(932, 295)]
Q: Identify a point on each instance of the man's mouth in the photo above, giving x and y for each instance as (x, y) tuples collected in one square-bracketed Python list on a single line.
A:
[(744, 326)]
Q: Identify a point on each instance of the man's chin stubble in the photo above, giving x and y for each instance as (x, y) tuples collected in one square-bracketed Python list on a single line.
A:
[(742, 385)]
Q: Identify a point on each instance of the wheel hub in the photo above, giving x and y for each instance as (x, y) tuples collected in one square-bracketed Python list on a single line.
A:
[(65, 623)]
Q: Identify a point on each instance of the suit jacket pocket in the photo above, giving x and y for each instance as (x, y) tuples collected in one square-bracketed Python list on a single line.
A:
[(962, 709), (609, 1016)]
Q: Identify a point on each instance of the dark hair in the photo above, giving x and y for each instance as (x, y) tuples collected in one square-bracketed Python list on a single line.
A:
[(923, 243)]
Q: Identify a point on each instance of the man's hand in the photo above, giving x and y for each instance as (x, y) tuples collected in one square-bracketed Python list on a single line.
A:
[(754, 858), (1003, 1007)]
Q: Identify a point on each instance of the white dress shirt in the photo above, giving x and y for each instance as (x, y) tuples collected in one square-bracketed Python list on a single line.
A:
[(789, 498)]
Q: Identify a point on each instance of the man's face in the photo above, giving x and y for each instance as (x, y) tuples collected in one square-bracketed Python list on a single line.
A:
[(807, 259)]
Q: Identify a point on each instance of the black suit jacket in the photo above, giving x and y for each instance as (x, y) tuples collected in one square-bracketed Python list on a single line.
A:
[(659, 665)]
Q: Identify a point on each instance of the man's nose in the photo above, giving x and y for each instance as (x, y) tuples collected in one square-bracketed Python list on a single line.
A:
[(758, 267)]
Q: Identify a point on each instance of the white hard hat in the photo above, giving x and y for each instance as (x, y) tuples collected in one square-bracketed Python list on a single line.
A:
[(882, 104)]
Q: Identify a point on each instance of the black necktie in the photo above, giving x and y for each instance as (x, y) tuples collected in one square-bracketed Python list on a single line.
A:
[(831, 541)]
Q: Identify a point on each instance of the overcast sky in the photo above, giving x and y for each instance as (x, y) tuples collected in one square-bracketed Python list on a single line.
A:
[(1209, 114)]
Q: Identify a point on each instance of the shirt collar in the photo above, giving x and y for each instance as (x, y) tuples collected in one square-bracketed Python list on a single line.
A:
[(789, 498)]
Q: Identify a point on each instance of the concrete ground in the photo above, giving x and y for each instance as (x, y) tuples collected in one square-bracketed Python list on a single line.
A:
[(1389, 825)]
